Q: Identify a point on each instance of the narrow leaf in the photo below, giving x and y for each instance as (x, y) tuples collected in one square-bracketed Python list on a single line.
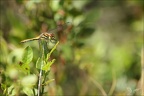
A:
[(48, 55), (48, 65), (47, 82)]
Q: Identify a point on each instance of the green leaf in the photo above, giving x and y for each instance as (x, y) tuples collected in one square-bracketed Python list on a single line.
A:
[(26, 59), (29, 81), (4, 88), (28, 55), (26, 68), (48, 65), (39, 63), (12, 91), (47, 82), (28, 91)]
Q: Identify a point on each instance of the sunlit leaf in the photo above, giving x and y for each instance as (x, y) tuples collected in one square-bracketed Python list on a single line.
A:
[(29, 81), (28, 91), (12, 72), (12, 90), (48, 65), (39, 63), (48, 81), (28, 55), (4, 88), (26, 68), (26, 59)]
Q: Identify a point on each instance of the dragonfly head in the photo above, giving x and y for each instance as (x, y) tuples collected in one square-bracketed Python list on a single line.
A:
[(52, 38)]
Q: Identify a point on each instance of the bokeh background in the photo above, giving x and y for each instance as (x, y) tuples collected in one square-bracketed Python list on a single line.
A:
[(99, 52)]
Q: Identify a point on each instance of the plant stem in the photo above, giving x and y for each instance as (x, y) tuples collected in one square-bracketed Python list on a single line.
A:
[(39, 82), (113, 83), (41, 47), (98, 86), (44, 80)]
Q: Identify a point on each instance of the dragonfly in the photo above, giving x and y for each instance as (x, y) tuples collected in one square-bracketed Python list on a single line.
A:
[(47, 35)]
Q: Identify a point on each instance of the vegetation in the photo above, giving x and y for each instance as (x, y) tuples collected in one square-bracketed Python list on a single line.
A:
[(99, 52)]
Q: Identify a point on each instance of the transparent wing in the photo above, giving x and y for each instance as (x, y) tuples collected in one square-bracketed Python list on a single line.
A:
[(59, 28), (52, 31)]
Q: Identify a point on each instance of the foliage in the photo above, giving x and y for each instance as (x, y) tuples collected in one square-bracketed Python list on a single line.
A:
[(98, 53), (28, 81)]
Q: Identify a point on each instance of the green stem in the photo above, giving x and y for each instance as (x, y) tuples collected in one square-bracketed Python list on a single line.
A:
[(44, 80), (41, 47), (34, 92)]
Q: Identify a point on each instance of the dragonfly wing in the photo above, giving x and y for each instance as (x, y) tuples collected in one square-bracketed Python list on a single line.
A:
[(52, 30), (59, 28)]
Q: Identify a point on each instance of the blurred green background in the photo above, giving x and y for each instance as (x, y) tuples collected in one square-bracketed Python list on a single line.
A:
[(99, 52)]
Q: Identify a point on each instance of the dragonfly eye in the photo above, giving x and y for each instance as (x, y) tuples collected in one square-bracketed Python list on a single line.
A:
[(53, 39)]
